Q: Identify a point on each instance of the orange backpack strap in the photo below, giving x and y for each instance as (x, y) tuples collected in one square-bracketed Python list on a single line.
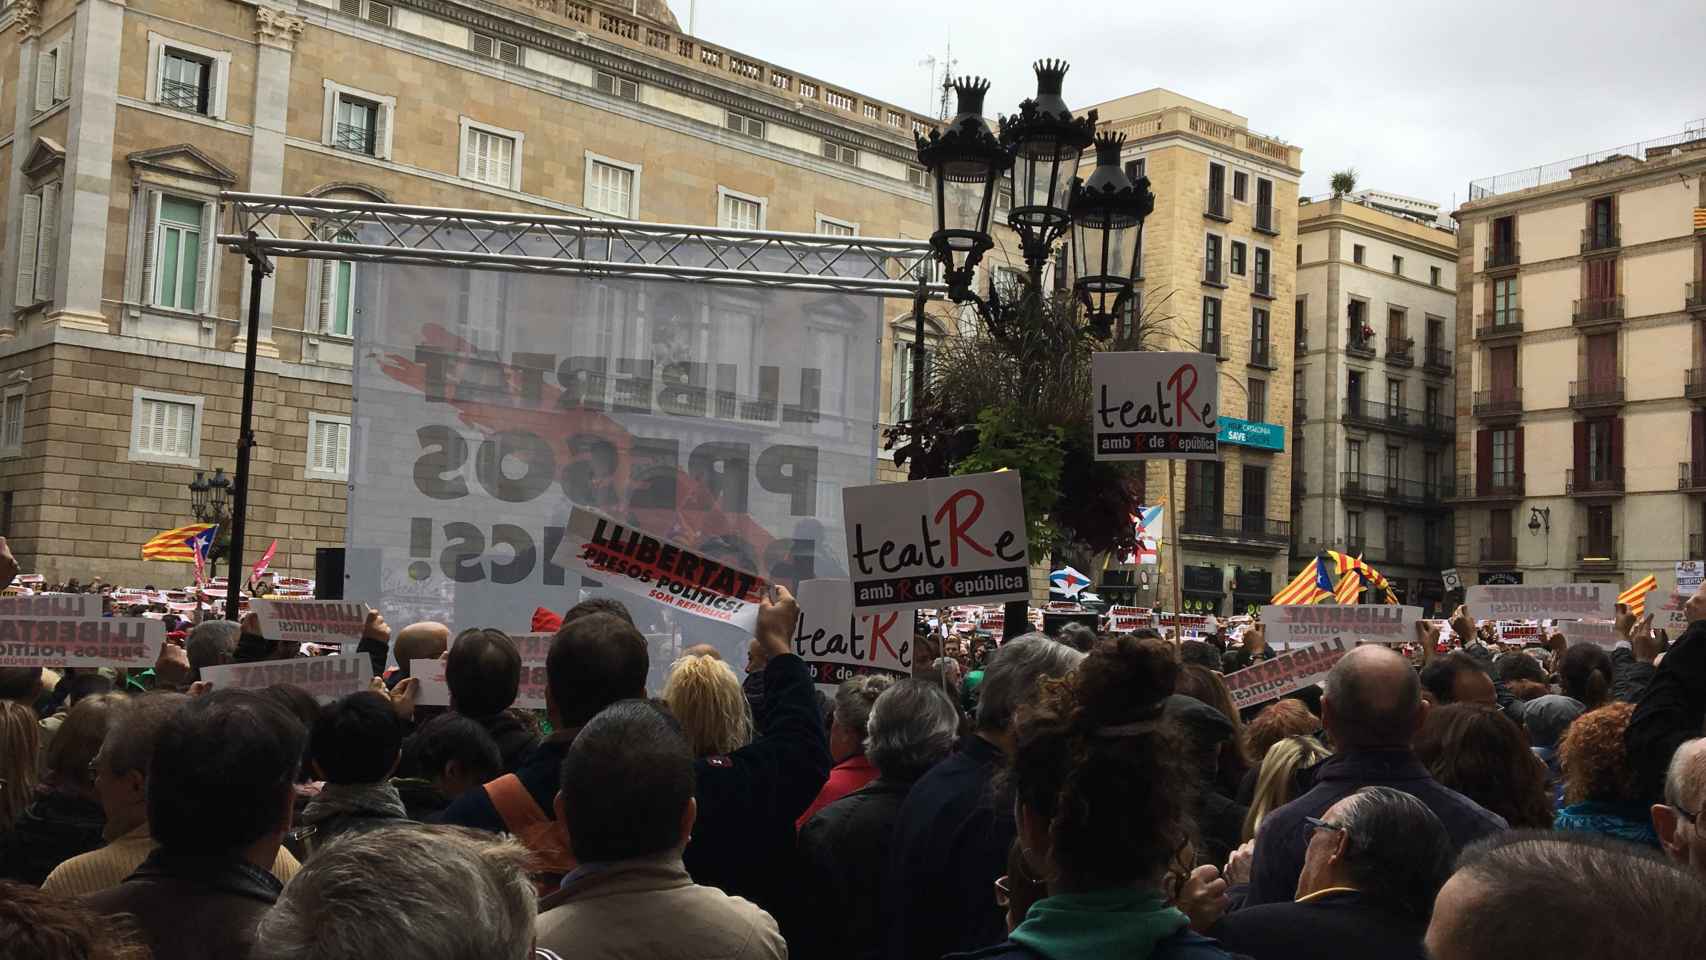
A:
[(514, 804)]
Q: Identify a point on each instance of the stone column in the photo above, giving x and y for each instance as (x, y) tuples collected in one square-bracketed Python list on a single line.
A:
[(28, 25), (276, 32), (86, 192)]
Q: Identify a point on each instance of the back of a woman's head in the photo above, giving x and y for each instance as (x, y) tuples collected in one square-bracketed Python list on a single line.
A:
[(40, 926), (79, 738), (1593, 758), (1276, 783), (1481, 753), (1094, 758), (1201, 683), (20, 739), (706, 698), (1277, 721), (1585, 672)]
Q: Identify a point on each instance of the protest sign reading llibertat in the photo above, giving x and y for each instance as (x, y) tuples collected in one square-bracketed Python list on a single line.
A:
[(80, 642), (838, 644), (1572, 601), (326, 678), (435, 692), (1287, 626), (1148, 405), (1272, 679), (950, 540), (1601, 632), (312, 621), (75, 605)]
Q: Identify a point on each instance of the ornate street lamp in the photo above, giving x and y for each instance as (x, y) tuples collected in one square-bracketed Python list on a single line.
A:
[(207, 496), (966, 161), (1046, 141), (1107, 212)]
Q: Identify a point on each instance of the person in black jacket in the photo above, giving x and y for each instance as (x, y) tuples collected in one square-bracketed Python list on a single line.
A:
[(845, 846), (483, 673), (1672, 708), (1375, 862), (354, 747), (64, 817)]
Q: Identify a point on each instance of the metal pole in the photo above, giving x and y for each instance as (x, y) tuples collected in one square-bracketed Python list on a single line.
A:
[(919, 299), (259, 269), (1178, 587)]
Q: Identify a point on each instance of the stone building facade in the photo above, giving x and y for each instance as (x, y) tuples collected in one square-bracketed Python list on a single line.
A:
[(1581, 379), (1373, 421)]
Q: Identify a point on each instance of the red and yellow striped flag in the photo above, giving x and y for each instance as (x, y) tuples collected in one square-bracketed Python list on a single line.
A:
[(1305, 588), (1700, 218), (1636, 596), (174, 544)]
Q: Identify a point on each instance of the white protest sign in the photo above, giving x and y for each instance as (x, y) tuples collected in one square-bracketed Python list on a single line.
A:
[(1670, 616), (636, 562), (312, 621), (1292, 625), (80, 642), (1271, 679), (326, 678), (945, 540), (1564, 601), (1521, 632), (1130, 619), (1689, 574), (1601, 632), (838, 645), (435, 692), (1147, 405), (77, 605)]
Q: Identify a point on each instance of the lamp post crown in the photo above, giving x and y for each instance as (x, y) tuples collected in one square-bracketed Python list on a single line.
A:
[(1051, 74)]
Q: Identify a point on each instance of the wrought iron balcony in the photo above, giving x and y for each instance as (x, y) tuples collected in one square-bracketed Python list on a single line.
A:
[(356, 139), (1500, 255), (1395, 490), (1596, 551), (1267, 219), (1599, 238), (1437, 360), (1401, 351), (1601, 392), (1507, 323), (1496, 552), (1691, 476), (1261, 354), (1591, 310), (1694, 296), (1358, 345), (1501, 402), (1491, 486), (1600, 482), (1216, 206), (1254, 530), (1392, 419)]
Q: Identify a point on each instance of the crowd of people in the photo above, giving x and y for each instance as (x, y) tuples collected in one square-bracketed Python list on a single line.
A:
[(1076, 797)]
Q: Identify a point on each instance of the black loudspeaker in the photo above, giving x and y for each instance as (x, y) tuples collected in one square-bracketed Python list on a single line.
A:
[(1052, 622), (328, 573)]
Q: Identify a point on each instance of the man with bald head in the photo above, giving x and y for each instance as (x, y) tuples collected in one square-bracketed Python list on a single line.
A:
[(426, 640), (1371, 707)]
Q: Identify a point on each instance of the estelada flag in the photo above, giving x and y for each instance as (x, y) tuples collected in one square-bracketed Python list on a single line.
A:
[(1636, 596), (174, 545)]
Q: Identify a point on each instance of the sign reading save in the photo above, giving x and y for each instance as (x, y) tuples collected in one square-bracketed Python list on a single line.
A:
[(1154, 405), (938, 542)]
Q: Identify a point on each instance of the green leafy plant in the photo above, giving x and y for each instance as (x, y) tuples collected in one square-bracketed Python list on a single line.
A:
[(1008, 440)]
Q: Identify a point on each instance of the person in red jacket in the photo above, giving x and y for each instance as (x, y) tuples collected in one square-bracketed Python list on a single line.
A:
[(852, 770)]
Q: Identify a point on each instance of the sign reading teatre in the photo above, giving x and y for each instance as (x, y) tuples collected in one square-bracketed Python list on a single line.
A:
[(1148, 405)]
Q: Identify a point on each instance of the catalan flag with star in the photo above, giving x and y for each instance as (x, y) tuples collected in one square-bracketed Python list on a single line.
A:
[(176, 545)]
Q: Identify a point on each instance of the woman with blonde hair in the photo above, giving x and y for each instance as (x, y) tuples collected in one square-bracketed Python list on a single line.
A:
[(707, 700), (20, 740), (1276, 785), (64, 817)]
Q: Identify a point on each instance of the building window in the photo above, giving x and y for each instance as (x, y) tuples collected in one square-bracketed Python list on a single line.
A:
[(1353, 456), (165, 427), (1504, 458), (1299, 323), (53, 75), (742, 124), (737, 211), (612, 187), (1257, 408), (831, 227), (1359, 253), (1353, 526), (1211, 326), (1205, 491), (178, 268), (488, 46), (1394, 395), (375, 12), (1397, 265), (1394, 461), (1211, 260), (840, 153), (186, 77), (38, 245), (617, 86), (184, 81), (491, 155), (1504, 301), (12, 422), (1240, 185), (328, 447), (1136, 170), (900, 386), (1004, 196), (1433, 276), (1237, 259), (917, 177), (1431, 404), (1258, 335), (1263, 280), (357, 121)]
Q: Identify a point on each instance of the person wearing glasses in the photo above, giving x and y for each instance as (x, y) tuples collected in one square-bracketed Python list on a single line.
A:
[(1677, 821), (1374, 864)]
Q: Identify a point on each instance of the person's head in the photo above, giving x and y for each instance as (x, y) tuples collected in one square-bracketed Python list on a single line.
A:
[(1012, 676), (66, 763), (1585, 673), (853, 700), (1371, 699), (1546, 718), (356, 739), (21, 685), (596, 659), (702, 650), (910, 727), (220, 780), (426, 640), (1482, 754), (453, 752), (1592, 758), (483, 672), (1206, 685), (421, 891), (121, 765), (43, 926), (1566, 896), (706, 698), (1077, 636), (300, 704), (1677, 821), (1694, 608), (1199, 654), (1457, 677), (211, 643), (1275, 722), (1020, 888), (20, 742), (1518, 665), (1383, 843), (1104, 785), (592, 605), (627, 785), (1276, 783)]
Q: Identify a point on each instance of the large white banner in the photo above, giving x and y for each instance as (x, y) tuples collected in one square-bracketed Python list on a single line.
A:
[(1296, 625), (489, 405)]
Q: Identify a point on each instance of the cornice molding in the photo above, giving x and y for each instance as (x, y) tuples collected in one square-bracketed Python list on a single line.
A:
[(276, 27), (28, 18)]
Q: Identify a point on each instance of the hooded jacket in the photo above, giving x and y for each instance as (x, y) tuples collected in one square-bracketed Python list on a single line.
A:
[(192, 907), (342, 808)]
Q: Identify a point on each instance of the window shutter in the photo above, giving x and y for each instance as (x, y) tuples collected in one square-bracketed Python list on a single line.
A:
[(379, 13), (381, 123), (47, 243), (1580, 460), (1483, 460), (1616, 446), (350, 7), (151, 225), (27, 249), (481, 44), (342, 440), (328, 270), (44, 79), (470, 155), (215, 88), (62, 71), (204, 262), (1519, 470)]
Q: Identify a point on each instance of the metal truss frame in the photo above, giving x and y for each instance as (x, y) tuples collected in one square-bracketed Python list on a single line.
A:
[(587, 246)]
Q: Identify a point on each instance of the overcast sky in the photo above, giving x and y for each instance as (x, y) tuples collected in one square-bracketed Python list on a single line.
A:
[(1419, 97)]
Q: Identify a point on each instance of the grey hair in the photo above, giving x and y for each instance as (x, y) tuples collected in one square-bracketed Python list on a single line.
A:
[(426, 892), (211, 643), (1396, 850), (913, 725), (854, 698), (1012, 674), (136, 726), (1685, 778)]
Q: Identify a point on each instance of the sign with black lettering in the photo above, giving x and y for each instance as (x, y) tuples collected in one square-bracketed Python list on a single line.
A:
[(838, 644), (78, 605), (679, 578), (1148, 405), (326, 678), (939, 542), (79, 642), (1300, 625), (312, 621)]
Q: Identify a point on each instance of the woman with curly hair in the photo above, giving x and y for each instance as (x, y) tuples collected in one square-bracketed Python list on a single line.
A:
[(1599, 783), (1104, 786), (706, 698), (1481, 753), (40, 926)]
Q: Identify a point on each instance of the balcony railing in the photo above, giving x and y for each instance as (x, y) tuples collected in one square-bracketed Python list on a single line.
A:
[(1502, 255), (1212, 273), (1596, 551), (1694, 383), (1401, 351), (1506, 401), (181, 95), (1234, 527), (348, 136), (1596, 482), (1299, 409), (1437, 359), (1599, 238), (1262, 286), (1597, 310), (1691, 476), (1358, 345), (1261, 354), (1497, 552), (1602, 392), (1492, 486), (1396, 490), (1696, 547), (1694, 296), (1506, 323), (1399, 419), (1267, 220), (1216, 206)]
